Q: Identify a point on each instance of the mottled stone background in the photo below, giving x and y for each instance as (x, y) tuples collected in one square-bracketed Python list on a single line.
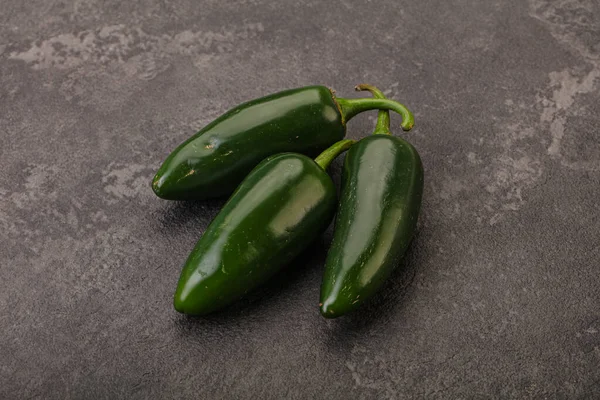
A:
[(499, 295)]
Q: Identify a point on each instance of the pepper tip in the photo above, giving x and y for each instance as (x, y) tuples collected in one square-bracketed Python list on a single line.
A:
[(328, 311), (178, 305), (159, 188)]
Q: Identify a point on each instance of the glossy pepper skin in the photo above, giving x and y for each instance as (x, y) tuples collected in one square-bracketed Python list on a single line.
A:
[(382, 186), (215, 160), (277, 211)]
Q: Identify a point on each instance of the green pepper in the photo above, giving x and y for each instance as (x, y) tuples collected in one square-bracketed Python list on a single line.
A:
[(275, 213), (382, 185), (216, 159)]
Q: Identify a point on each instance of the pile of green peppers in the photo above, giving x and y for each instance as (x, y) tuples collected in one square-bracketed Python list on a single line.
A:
[(281, 198)]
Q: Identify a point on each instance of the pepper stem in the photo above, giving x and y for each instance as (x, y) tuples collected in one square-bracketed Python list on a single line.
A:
[(327, 156), (383, 117), (350, 107)]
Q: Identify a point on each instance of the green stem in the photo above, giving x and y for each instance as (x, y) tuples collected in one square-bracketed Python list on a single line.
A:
[(350, 107), (327, 156), (383, 117)]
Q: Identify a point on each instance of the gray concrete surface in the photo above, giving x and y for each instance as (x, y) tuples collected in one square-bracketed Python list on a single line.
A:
[(499, 296)]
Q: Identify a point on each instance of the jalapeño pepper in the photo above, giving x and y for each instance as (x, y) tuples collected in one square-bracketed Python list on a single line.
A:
[(275, 213), (382, 185), (216, 159)]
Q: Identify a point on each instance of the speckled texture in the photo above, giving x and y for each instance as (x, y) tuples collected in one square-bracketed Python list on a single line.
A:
[(499, 295)]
